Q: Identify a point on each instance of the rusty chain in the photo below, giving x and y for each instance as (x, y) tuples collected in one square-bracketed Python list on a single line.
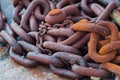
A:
[(74, 43)]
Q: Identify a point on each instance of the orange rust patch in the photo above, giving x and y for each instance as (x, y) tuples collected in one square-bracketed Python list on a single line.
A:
[(83, 21), (79, 23), (55, 12), (111, 67)]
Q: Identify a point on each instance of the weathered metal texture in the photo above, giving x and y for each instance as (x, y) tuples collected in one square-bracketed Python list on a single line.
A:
[(9, 70)]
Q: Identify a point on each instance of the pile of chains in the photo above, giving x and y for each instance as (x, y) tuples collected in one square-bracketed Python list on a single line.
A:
[(77, 39)]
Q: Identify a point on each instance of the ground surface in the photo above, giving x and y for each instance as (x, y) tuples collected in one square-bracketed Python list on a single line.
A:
[(9, 70)]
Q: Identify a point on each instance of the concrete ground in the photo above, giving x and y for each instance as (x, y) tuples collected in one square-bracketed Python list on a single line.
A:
[(10, 70)]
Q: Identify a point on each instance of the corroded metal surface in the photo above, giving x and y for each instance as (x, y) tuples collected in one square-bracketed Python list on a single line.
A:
[(9, 70)]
